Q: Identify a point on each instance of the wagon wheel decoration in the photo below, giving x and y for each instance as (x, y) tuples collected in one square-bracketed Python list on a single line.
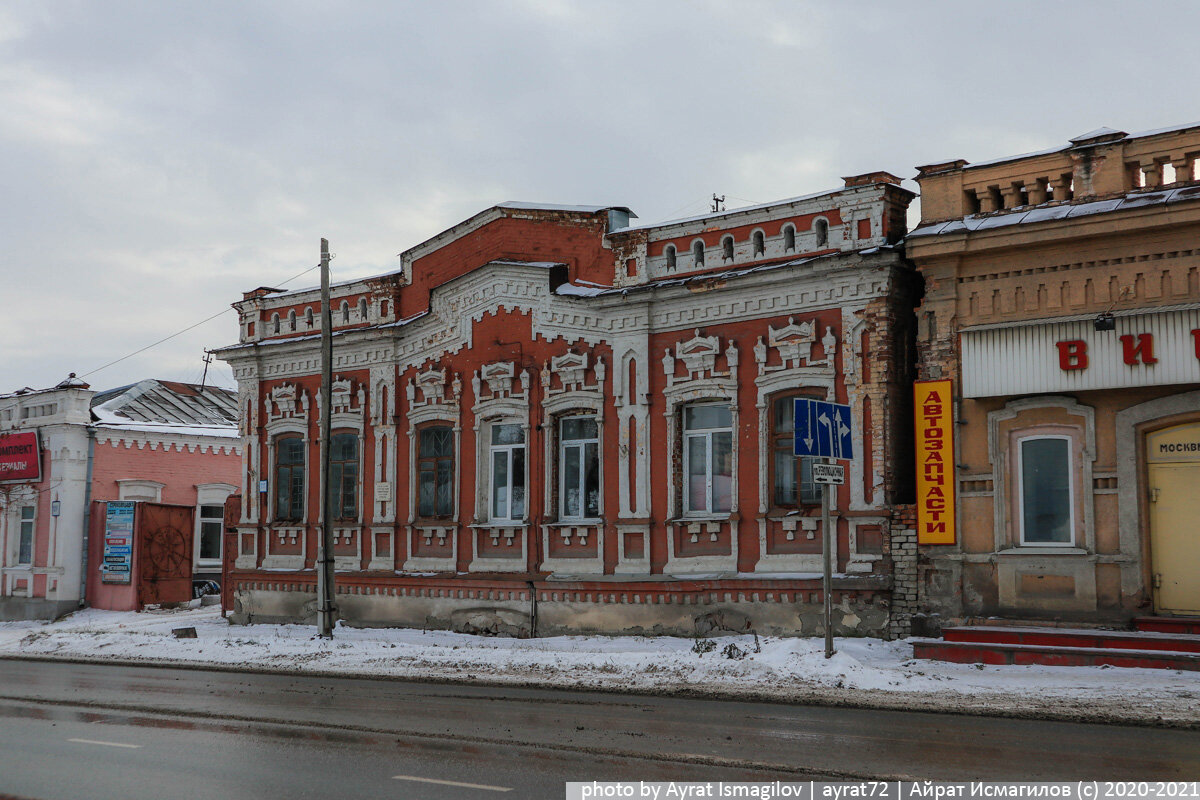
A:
[(166, 550)]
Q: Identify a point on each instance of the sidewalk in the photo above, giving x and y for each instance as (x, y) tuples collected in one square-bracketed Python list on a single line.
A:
[(863, 673)]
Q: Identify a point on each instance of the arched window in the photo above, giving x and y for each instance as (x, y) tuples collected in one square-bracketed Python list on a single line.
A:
[(760, 243), (292, 320), (822, 228), (308, 316), (343, 475), (362, 309), (727, 248), (670, 253), (275, 323), (789, 237), (698, 253), (345, 313)]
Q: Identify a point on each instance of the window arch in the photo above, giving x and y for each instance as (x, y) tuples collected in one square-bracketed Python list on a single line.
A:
[(275, 323), (821, 226), (789, 237), (727, 248), (669, 251), (760, 243), (308, 316), (292, 320), (698, 253), (345, 313), (362, 309)]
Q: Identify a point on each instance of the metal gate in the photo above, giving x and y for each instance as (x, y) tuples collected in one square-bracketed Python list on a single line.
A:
[(164, 536)]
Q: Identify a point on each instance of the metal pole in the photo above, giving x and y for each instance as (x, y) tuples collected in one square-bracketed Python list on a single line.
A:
[(325, 608), (827, 537)]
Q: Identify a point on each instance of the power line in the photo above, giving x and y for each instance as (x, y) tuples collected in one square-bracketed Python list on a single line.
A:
[(185, 330)]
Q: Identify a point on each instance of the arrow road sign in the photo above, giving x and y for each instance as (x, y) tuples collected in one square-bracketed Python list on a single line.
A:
[(823, 429)]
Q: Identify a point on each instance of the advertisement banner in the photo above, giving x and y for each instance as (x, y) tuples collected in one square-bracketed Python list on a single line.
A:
[(20, 457), (117, 566), (933, 409)]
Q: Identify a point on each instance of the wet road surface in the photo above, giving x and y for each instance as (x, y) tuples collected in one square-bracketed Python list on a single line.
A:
[(99, 731)]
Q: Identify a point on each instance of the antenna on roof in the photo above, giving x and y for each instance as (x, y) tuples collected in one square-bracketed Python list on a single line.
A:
[(718, 203), (204, 378)]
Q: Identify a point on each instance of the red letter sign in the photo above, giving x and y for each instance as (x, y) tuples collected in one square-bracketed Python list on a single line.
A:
[(1144, 349), (1072, 355)]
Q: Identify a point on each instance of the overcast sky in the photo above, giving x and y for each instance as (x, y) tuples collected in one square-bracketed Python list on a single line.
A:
[(159, 158)]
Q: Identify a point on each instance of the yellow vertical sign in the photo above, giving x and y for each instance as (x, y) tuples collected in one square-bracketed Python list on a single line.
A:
[(932, 408)]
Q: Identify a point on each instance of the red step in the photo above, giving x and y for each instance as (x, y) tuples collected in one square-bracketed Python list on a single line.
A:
[(1188, 625), (1055, 656), (1075, 637)]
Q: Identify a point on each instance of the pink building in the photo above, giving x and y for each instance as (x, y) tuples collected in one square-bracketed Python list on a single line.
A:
[(65, 447)]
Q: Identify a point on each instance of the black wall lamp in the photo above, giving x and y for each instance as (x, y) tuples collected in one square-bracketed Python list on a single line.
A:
[(1105, 322)]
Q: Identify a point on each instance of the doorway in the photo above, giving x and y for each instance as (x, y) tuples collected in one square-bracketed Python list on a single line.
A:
[(1173, 492)]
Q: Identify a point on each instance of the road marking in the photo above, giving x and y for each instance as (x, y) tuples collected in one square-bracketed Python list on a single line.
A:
[(484, 786), (106, 744)]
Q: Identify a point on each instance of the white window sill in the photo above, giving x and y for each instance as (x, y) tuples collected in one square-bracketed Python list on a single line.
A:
[(1043, 550), (501, 523), (576, 523), (701, 518)]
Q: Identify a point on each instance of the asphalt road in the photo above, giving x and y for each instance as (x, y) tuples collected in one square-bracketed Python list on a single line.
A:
[(103, 731)]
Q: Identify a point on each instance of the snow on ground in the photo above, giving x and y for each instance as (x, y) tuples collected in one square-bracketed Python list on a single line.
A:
[(864, 672)]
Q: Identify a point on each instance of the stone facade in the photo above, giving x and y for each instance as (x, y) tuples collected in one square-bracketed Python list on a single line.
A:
[(559, 421)]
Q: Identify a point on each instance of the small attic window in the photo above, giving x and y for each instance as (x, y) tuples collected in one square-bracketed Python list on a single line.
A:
[(727, 248), (308, 316), (698, 253), (345, 313), (292, 320), (670, 253), (822, 228), (760, 243), (274, 323), (789, 237), (362, 309)]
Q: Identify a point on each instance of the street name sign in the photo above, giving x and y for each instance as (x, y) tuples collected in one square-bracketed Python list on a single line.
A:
[(828, 473), (822, 429)]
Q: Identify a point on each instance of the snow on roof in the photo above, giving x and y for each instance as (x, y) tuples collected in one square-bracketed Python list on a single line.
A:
[(1096, 134), (1132, 200), (522, 206), (168, 406), (1171, 129), (732, 211)]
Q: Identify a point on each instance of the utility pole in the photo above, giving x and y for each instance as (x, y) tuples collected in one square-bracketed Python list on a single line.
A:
[(207, 361), (718, 203), (325, 593)]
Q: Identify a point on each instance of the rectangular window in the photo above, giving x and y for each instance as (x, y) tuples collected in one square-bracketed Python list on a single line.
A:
[(435, 472), (212, 521), (788, 489), (343, 475), (25, 544), (707, 459), (289, 479), (1046, 505), (579, 468), (508, 473)]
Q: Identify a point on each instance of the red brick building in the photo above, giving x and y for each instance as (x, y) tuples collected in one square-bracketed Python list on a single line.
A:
[(549, 419)]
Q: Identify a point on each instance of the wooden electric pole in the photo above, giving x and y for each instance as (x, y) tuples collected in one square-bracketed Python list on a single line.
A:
[(325, 592)]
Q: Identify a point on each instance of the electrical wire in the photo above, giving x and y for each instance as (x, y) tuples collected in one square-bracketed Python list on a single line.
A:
[(185, 330)]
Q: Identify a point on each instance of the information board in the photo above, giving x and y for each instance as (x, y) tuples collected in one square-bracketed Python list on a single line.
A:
[(117, 564)]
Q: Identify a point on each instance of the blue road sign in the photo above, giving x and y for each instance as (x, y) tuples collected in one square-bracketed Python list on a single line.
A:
[(823, 429)]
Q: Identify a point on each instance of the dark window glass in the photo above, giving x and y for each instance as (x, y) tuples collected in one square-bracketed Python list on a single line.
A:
[(343, 475), (580, 468), (289, 479), (435, 471), (787, 486), (1046, 491), (211, 522)]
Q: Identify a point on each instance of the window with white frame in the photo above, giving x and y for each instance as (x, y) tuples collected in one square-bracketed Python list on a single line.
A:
[(25, 536), (1045, 495), (507, 465), (435, 472), (707, 459), (343, 475), (579, 468), (211, 524)]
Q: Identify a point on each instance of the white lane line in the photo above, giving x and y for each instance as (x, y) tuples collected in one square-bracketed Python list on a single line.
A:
[(484, 786), (106, 744)]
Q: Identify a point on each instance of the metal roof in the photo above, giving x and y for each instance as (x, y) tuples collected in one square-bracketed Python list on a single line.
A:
[(168, 403)]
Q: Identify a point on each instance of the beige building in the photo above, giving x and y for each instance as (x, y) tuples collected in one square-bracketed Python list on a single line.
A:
[(1063, 301)]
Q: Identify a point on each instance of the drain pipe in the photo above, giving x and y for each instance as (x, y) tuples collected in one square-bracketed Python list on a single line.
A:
[(533, 625), (87, 517)]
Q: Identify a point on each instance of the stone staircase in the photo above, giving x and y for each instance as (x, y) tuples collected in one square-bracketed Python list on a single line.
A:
[(1155, 643)]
